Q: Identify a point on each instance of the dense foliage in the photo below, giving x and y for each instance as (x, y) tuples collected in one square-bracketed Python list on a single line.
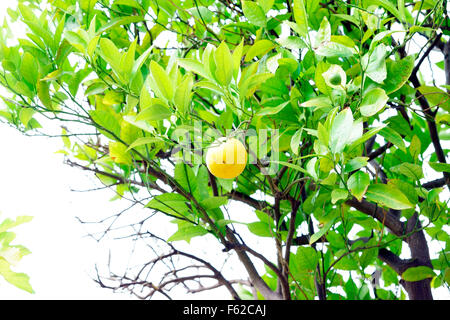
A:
[(343, 129)]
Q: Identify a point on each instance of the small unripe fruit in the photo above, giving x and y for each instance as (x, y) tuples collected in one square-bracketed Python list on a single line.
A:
[(335, 79)]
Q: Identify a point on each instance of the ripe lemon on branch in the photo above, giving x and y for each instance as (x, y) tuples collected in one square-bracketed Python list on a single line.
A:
[(226, 158)]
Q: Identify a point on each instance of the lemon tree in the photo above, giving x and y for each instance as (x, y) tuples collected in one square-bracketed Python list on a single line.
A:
[(341, 169)]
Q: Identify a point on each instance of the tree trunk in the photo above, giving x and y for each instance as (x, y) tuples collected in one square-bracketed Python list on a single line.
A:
[(420, 255), (418, 290)]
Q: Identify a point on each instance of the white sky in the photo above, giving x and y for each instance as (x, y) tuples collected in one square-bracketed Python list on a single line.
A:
[(34, 181)]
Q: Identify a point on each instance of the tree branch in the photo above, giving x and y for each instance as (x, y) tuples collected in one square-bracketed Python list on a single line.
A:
[(427, 53), (379, 151), (242, 197), (255, 278), (385, 217), (434, 184), (431, 126), (393, 261)]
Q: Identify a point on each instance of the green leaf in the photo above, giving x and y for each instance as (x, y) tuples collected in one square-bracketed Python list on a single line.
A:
[(183, 94), (323, 35), (29, 69), (206, 84), (406, 188), (107, 121), (110, 53), (266, 5), (272, 110), (201, 12), (358, 184), (311, 168), (87, 5), (366, 136), (34, 24), (224, 63), (291, 165), (410, 170), (261, 229), (322, 134), (143, 141), (374, 63), (334, 49), (398, 73), (373, 102), (144, 125), (319, 102), (330, 180), (20, 280), (292, 42), (319, 80), (140, 62), (389, 196), (9, 223), (259, 48), (316, 236), (214, 202), (185, 177), (65, 139), (296, 140), (306, 258), (341, 130), (346, 263), (127, 62), (369, 255), (202, 180), (440, 167), (53, 75), (418, 273), (194, 66), (355, 164), (162, 80), (155, 112), (187, 232), (43, 91), (236, 57), (415, 147), (25, 115), (170, 203), (338, 194), (394, 137), (436, 97), (118, 153), (389, 6), (301, 17), (119, 21), (248, 87), (226, 184), (380, 36), (348, 18), (254, 13), (129, 3), (208, 60)]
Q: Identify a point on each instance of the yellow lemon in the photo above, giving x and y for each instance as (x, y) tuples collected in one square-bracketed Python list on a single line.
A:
[(226, 158)]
